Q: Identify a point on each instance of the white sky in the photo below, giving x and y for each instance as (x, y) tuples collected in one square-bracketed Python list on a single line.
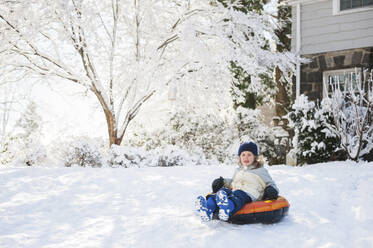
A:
[(66, 109)]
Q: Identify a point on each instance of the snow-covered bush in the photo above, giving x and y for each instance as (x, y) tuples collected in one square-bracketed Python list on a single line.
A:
[(174, 156), (209, 136), (23, 151), (7, 153), (351, 111), (32, 153), (313, 141), (123, 156), (170, 160), (79, 151), (206, 135)]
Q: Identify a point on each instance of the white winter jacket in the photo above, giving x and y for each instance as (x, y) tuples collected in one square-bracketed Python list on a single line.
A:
[(252, 181)]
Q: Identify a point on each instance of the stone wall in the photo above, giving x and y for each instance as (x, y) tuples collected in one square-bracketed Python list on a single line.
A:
[(311, 83)]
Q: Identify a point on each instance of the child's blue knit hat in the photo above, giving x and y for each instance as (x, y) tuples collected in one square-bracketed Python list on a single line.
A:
[(248, 146)]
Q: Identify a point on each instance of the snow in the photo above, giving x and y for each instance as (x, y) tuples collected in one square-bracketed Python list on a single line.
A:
[(331, 206)]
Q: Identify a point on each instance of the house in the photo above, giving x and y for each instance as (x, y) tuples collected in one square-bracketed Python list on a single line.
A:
[(337, 37)]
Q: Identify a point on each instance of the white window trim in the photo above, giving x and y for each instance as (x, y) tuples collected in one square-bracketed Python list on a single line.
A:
[(337, 9), (326, 74)]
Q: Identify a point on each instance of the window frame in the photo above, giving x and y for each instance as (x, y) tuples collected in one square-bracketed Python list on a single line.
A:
[(326, 74), (337, 8)]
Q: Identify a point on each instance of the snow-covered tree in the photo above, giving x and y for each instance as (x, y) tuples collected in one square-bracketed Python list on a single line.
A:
[(274, 86), (249, 90), (24, 145), (125, 51), (28, 136), (29, 123)]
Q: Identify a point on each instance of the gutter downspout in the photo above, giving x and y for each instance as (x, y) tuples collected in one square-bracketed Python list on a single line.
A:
[(298, 46)]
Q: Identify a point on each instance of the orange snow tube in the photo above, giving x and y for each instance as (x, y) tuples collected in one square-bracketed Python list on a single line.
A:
[(268, 211)]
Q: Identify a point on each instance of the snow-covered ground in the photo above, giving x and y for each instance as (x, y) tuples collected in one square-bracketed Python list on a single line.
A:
[(331, 206)]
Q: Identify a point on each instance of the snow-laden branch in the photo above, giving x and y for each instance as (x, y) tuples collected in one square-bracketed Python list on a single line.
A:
[(35, 56), (127, 51), (351, 106)]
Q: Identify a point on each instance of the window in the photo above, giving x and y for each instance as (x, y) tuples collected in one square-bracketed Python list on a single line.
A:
[(343, 79), (352, 4)]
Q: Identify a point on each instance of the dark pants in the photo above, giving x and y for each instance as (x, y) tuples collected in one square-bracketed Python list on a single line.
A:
[(238, 197)]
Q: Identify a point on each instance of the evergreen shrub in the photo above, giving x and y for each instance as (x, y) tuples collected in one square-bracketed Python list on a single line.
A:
[(313, 141)]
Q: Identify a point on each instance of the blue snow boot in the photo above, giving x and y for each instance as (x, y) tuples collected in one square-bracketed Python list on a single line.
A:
[(204, 212), (225, 205)]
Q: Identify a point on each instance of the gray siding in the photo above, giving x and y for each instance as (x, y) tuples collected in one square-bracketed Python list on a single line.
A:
[(321, 31)]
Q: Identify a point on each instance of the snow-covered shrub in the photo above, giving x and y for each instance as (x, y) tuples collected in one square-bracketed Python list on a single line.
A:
[(169, 160), (7, 153), (80, 151), (313, 141), (123, 156), (351, 111), (33, 153), (206, 135), (209, 136), (23, 151), (174, 156)]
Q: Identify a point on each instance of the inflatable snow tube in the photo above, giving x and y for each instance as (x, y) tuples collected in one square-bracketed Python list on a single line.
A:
[(268, 211)]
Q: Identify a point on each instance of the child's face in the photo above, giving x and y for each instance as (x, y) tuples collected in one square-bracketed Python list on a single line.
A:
[(247, 158)]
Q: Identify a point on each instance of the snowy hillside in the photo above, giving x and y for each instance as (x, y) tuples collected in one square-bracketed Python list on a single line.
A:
[(331, 206)]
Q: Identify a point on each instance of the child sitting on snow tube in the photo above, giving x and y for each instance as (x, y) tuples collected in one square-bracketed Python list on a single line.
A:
[(250, 182)]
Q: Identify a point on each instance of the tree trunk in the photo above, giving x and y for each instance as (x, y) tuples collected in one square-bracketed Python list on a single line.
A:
[(281, 99), (110, 119), (112, 131)]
